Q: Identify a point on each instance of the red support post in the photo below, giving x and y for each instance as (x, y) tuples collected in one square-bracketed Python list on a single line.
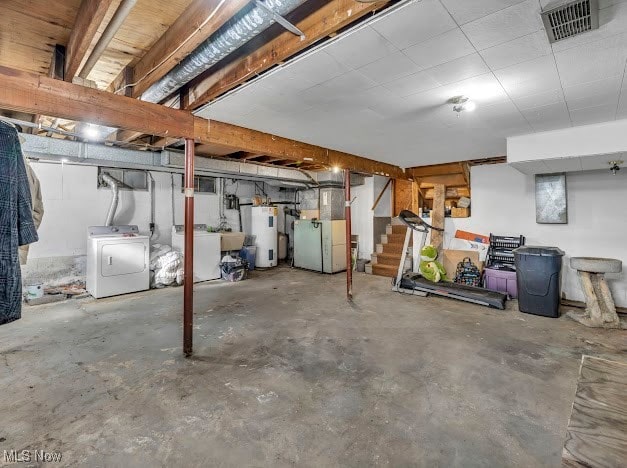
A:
[(188, 266), (347, 211)]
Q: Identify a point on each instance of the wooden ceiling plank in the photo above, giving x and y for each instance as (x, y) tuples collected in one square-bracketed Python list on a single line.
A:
[(331, 17), (89, 18), (181, 38)]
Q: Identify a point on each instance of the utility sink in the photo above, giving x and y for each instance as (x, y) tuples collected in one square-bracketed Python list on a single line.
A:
[(596, 264)]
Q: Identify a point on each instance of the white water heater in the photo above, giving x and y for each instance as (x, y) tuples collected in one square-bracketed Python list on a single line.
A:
[(264, 227)]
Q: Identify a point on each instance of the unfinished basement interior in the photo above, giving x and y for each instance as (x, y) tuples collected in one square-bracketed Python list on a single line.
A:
[(313, 233)]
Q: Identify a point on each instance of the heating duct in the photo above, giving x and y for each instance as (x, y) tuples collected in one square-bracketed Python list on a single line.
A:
[(115, 196), (228, 38)]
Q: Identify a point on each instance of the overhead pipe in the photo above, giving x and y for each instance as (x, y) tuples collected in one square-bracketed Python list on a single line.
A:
[(228, 38), (107, 36), (115, 196)]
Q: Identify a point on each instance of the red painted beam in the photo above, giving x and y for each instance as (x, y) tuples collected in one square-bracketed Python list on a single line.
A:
[(347, 212), (188, 266)]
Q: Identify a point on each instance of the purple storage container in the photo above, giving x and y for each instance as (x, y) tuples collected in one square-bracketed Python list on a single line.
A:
[(501, 280)]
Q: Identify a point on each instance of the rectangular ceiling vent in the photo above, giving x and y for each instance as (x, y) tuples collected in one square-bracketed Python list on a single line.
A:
[(571, 19)]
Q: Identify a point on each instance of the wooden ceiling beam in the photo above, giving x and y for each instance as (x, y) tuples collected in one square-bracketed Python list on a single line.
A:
[(450, 180), (436, 170), (90, 16), (246, 156), (181, 38), (328, 19), (491, 160), (36, 94), (232, 136), (270, 160)]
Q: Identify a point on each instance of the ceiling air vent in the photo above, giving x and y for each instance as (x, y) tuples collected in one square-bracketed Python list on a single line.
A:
[(571, 19)]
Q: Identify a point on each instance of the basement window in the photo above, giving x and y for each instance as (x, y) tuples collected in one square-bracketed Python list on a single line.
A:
[(130, 179), (202, 184)]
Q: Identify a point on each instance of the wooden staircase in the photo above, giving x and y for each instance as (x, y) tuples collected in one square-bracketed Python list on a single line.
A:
[(388, 253)]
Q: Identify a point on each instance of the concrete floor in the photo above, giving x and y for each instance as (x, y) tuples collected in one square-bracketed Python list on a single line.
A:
[(287, 372)]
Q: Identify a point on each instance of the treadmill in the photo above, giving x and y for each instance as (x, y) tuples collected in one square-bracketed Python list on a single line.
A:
[(413, 283)]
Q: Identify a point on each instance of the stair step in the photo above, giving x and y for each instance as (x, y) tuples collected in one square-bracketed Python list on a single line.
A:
[(395, 238), (388, 258), (396, 229), (394, 248), (385, 270)]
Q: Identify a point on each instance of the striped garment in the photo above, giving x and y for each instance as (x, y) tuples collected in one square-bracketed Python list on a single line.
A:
[(16, 222)]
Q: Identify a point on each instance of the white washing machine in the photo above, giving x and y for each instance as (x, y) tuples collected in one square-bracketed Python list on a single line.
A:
[(118, 260), (206, 251)]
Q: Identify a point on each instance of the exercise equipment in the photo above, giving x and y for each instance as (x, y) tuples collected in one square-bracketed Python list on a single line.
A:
[(413, 283)]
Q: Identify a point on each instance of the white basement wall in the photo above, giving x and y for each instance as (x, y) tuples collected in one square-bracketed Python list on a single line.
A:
[(73, 201), (503, 203), (362, 216)]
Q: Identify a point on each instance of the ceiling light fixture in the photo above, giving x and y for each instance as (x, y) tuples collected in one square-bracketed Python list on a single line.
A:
[(91, 131), (336, 169), (615, 166), (462, 103)]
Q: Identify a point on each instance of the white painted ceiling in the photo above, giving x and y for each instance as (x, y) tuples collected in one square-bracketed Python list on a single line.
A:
[(381, 90)]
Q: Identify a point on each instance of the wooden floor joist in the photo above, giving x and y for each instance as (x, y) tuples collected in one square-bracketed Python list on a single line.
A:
[(181, 39), (89, 18), (37, 94)]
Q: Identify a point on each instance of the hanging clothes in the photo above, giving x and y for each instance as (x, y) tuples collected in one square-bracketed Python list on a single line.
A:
[(16, 222), (36, 200)]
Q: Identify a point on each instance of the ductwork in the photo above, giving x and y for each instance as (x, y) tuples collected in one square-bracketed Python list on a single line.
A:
[(115, 196), (228, 38)]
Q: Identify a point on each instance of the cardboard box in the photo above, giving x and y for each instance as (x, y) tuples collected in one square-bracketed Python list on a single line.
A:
[(460, 212), (309, 214), (231, 241), (471, 236), (450, 259)]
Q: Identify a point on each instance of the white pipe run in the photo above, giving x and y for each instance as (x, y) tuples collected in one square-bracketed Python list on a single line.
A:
[(115, 196), (107, 36)]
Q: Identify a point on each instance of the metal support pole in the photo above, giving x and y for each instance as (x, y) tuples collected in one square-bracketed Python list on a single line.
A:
[(188, 286), (347, 210)]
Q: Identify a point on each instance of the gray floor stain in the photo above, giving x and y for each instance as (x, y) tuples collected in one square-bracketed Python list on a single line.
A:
[(292, 375)]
